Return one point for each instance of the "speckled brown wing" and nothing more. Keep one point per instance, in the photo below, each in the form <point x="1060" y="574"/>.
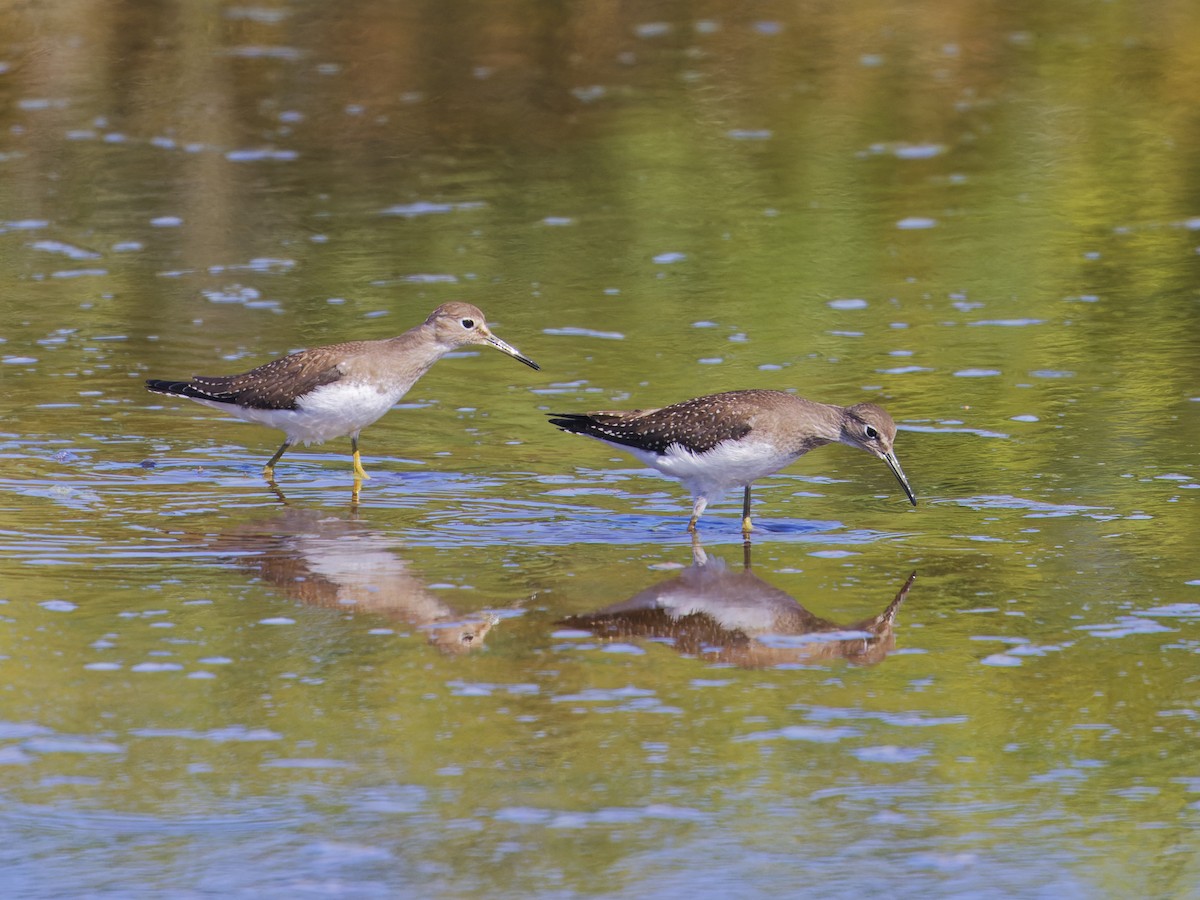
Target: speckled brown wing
<point x="698" y="424"/>
<point x="275" y="385"/>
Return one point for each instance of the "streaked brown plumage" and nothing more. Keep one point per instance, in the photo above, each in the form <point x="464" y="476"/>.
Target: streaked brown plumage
<point x="275" y="385"/>
<point x="718" y="442"/>
<point x="339" y="389"/>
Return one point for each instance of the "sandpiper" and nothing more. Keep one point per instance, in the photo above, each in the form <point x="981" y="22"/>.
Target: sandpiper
<point x="723" y="441"/>
<point x="326" y="392"/>
<point x="722" y="614"/>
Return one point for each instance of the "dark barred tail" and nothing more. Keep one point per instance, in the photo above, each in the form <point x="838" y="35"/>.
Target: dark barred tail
<point x="576" y="423"/>
<point x="605" y="426"/>
<point x="612" y="428"/>
<point x="186" y="389"/>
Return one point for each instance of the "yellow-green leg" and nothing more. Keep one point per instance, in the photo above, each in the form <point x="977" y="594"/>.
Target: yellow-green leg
<point x="746" y="526"/>
<point x="269" y="468"/>
<point x="359" y="471"/>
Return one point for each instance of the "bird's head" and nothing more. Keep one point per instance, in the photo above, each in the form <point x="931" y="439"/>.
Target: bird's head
<point x="456" y="324"/>
<point x="870" y="428"/>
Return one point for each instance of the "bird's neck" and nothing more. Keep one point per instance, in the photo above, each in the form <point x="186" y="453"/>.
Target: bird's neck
<point x="406" y="358"/>
<point x="418" y="346"/>
<point x="822" y="425"/>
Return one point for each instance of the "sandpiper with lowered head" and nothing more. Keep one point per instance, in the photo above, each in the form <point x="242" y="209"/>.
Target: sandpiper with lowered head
<point x="326" y="392"/>
<point x="716" y="443"/>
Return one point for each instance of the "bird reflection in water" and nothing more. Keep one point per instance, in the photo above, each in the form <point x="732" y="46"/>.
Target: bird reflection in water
<point x="337" y="563"/>
<point x="733" y="616"/>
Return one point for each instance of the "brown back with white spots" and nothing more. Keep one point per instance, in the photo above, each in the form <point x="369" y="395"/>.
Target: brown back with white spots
<point x="394" y="361"/>
<point x="701" y="423"/>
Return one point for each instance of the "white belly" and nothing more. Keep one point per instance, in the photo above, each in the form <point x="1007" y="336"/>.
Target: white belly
<point x="728" y="465"/>
<point x="330" y="411"/>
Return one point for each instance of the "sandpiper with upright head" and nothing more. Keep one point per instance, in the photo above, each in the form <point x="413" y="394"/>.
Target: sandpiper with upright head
<point x="326" y="392"/>
<point x="723" y="441"/>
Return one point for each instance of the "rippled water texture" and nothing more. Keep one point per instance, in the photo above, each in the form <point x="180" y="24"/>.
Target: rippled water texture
<point x="506" y="671"/>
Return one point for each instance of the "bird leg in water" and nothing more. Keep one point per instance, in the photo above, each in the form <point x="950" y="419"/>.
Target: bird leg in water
<point x="269" y="468"/>
<point x="359" y="471"/>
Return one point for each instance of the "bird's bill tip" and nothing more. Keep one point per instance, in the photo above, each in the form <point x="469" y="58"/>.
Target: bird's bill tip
<point x="505" y="347"/>
<point x="894" y="465"/>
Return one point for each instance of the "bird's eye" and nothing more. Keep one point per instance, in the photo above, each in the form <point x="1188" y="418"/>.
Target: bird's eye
<point x="468" y="323"/>
<point x="871" y="432"/>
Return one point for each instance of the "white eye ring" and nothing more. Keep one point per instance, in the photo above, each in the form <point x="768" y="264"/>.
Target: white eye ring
<point x="468" y="323"/>
<point x="871" y="432"/>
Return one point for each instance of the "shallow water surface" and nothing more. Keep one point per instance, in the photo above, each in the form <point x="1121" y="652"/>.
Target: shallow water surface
<point x="504" y="669"/>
